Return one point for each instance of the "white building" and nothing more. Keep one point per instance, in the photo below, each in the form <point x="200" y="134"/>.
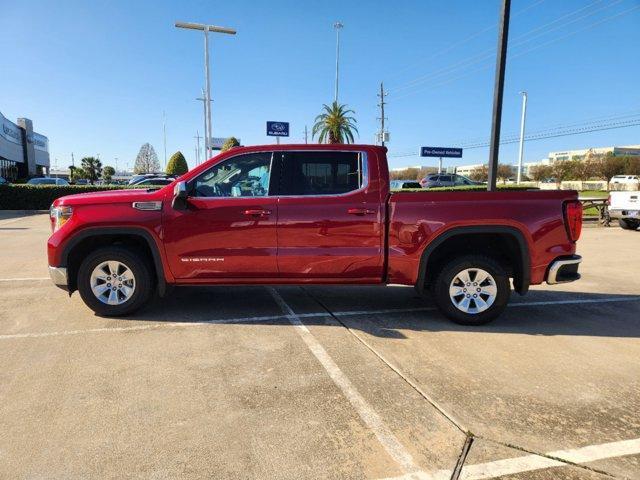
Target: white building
<point x="633" y="150"/>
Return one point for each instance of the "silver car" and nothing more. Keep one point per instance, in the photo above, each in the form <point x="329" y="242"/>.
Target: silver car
<point x="446" y="180"/>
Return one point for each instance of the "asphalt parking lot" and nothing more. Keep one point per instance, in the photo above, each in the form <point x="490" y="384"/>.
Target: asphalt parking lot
<point x="320" y="382"/>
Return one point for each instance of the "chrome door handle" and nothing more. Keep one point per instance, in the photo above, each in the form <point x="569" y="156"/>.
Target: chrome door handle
<point x="360" y="211"/>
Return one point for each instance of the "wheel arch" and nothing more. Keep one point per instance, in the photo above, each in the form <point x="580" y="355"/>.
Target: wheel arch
<point x="517" y="250"/>
<point x="95" y="237"/>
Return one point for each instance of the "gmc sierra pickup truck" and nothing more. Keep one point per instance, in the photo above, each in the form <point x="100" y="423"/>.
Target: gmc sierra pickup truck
<point x="311" y="214"/>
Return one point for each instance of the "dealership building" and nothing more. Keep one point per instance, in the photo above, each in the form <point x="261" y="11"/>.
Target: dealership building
<point x="23" y="152"/>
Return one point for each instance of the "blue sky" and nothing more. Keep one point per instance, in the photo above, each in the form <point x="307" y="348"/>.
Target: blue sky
<point x="95" y="77"/>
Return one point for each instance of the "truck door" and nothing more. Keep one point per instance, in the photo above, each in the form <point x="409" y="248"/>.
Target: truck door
<point x="229" y="228"/>
<point x="330" y="219"/>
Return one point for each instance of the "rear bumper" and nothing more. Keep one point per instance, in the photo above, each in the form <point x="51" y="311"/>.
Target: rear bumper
<point x="564" y="269"/>
<point x="619" y="213"/>
<point x="59" y="277"/>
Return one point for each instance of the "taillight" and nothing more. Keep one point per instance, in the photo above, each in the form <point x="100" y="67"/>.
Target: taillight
<point x="573" y="219"/>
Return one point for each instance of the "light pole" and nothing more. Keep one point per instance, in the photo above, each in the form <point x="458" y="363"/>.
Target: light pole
<point x="207" y="93"/>
<point x="522" y="122"/>
<point x="338" y="26"/>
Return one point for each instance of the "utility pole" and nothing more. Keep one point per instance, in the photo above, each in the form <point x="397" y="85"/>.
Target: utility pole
<point x="382" y="117"/>
<point x="164" y="134"/>
<point x="73" y="163"/>
<point x="197" y="137"/>
<point x="338" y="26"/>
<point x="305" y="134"/>
<point x="522" y="122"/>
<point x="498" y="89"/>
<point x="116" y="168"/>
<point x="207" y="92"/>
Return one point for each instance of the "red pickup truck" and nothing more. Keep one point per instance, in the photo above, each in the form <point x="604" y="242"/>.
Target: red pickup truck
<point x="311" y="214"/>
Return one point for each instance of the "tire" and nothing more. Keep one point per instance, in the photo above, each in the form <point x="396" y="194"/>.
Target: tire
<point x="137" y="281"/>
<point x="494" y="291"/>
<point x="628" y="224"/>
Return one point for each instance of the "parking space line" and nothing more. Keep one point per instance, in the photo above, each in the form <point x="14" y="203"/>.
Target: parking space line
<point x="276" y="317"/>
<point x="24" y="279"/>
<point x="368" y="415"/>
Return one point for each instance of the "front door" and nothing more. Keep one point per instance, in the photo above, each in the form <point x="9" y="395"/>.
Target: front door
<point x="330" y="221"/>
<point x="229" y="228"/>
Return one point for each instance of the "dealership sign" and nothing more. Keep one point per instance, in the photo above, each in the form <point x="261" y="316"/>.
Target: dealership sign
<point x="278" y="129"/>
<point x="443" y="152"/>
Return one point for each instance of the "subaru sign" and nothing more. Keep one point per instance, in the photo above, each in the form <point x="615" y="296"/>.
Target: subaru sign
<point x="445" y="152"/>
<point x="278" y="129"/>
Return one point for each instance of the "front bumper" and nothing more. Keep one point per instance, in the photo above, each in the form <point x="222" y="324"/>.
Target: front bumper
<point x="564" y="269"/>
<point x="59" y="276"/>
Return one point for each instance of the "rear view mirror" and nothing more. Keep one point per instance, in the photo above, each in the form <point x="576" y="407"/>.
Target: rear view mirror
<point x="180" y="196"/>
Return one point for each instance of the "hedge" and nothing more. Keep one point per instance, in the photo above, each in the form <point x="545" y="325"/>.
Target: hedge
<point x="40" y="197"/>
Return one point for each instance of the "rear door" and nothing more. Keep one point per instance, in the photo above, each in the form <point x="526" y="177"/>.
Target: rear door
<point x="329" y="219"/>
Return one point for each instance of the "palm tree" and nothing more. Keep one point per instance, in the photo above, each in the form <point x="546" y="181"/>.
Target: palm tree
<point x="334" y="125"/>
<point x="92" y="168"/>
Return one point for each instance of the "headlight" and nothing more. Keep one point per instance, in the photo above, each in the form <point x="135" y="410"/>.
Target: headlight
<point x="59" y="216"/>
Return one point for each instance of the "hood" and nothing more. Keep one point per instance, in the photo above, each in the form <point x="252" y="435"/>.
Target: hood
<point x="112" y="196"/>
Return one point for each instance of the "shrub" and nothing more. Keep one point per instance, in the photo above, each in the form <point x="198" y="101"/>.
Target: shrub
<point x="40" y="197"/>
<point x="177" y="164"/>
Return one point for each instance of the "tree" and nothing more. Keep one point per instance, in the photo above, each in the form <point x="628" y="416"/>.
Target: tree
<point x="92" y="168"/>
<point x="108" y="173"/>
<point x="177" y="164"/>
<point x="76" y="174"/>
<point x="230" y="143"/>
<point x="561" y="170"/>
<point x="504" y="172"/>
<point x="147" y="160"/>
<point x="608" y="166"/>
<point x="335" y="125"/>
<point x="480" y="174"/>
<point x="540" y="172"/>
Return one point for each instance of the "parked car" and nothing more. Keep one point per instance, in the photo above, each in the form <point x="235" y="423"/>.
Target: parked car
<point x="154" y="181"/>
<point x="312" y="214"/>
<point x="47" y="181"/>
<point x="446" y="180"/>
<point x="625" y="206"/>
<point x="3" y="181"/>
<point x="81" y="181"/>
<point x="400" y="184"/>
<point x="144" y="176"/>
<point x="625" y="179"/>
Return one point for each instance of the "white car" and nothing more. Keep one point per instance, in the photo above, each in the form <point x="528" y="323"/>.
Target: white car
<point x="625" y="206"/>
<point x="625" y="179"/>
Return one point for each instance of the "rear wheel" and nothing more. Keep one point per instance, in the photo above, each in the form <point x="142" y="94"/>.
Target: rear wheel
<point x="628" y="223"/>
<point x="471" y="290"/>
<point x="115" y="281"/>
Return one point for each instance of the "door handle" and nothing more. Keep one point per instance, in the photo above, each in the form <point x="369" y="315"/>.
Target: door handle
<point x="360" y="211"/>
<point x="257" y="212"/>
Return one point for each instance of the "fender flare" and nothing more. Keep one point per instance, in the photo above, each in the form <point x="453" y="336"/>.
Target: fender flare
<point x="134" y="231"/>
<point x="521" y="283"/>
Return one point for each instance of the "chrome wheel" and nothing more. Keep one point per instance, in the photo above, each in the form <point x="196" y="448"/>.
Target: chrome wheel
<point x="112" y="282"/>
<point x="473" y="290"/>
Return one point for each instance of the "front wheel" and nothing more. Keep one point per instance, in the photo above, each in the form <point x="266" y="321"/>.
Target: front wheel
<point x="115" y="281"/>
<point x="628" y="224"/>
<point x="471" y="290"/>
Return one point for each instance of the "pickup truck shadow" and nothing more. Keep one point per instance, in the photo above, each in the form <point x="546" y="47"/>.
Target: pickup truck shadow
<point x="387" y="312"/>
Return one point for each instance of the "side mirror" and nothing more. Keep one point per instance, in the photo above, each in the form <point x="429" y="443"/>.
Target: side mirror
<point x="180" y="196"/>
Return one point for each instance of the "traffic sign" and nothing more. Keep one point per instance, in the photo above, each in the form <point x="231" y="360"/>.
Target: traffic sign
<point x="443" y="152"/>
<point x="278" y="129"/>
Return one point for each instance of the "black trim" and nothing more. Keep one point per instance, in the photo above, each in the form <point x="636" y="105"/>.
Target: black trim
<point x="135" y="231"/>
<point x="521" y="286"/>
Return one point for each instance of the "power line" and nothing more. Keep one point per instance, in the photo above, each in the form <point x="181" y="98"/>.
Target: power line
<point x="519" y="54"/>
<point x="516" y="42"/>
<point x="533" y="137"/>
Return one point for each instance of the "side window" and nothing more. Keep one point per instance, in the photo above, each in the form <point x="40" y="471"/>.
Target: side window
<point x="241" y="176"/>
<point x="321" y="173"/>
<point x="445" y="178"/>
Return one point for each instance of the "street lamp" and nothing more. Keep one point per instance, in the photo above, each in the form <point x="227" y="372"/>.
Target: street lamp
<point x="207" y="102"/>
<point x="338" y="26"/>
<point x="522" y="121"/>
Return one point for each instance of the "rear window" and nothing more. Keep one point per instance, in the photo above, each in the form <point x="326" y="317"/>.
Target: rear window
<point x="321" y="173"/>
